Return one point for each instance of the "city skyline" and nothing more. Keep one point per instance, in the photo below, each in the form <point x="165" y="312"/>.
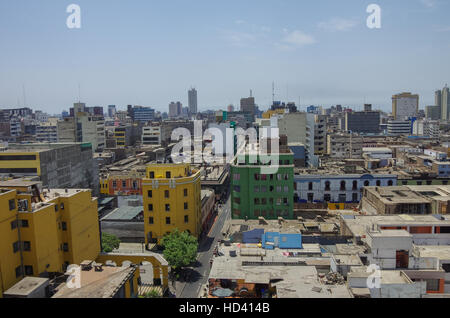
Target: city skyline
<point x="133" y="54"/>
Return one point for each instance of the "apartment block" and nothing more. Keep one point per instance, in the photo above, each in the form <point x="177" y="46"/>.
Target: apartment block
<point x="172" y="200"/>
<point x="44" y="231"/>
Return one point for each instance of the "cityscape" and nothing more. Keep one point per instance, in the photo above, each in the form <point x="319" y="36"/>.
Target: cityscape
<point x="285" y="191"/>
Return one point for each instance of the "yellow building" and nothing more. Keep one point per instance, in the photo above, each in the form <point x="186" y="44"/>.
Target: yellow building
<point x="172" y="200"/>
<point x="268" y="114"/>
<point x="44" y="231"/>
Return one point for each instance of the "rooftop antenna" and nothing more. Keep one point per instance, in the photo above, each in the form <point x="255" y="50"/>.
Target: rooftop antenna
<point x="24" y="96"/>
<point x="79" y="93"/>
<point x="273" y="92"/>
<point x="251" y="93"/>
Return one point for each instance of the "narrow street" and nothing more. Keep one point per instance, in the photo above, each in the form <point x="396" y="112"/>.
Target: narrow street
<point x="200" y="270"/>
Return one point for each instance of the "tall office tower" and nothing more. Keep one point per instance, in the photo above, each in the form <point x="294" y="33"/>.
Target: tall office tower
<point x="248" y="105"/>
<point x="445" y="104"/>
<point x="111" y="111"/>
<point x="367" y="107"/>
<point x="438" y="98"/>
<point x="173" y="110"/>
<point x="230" y="108"/>
<point x="192" y="101"/>
<point x="405" y="105"/>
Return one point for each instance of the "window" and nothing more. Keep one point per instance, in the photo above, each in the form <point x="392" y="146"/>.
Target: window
<point x="124" y="184"/>
<point x="18" y="271"/>
<point x="14" y="225"/>
<point x="256" y="176"/>
<point x="366" y="183"/>
<point x="327" y="186"/>
<point x="15" y="247"/>
<point x="150" y="207"/>
<point x="343" y="186"/>
<point x="186" y="219"/>
<point x="237" y="200"/>
<point x="23" y="223"/>
<point x="278" y="188"/>
<point x="310" y="197"/>
<point x="256" y="201"/>
<point x="236" y="177"/>
<point x="263" y="201"/>
<point x="185" y="205"/>
<point x="62" y="206"/>
<point x="390" y="183"/>
<point x="26" y="246"/>
<point x="310" y="186"/>
<point x="150" y="193"/>
<point x="256" y="189"/>
<point x="56" y="208"/>
<point x="166" y="194"/>
<point x="378" y="183"/>
<point x="167" y="207"/>
<point x="185" y="191"/>
<point x="12" y="204"/>
<point x="114" y="184"/>
<point x="355" y="185"/>
<point x="168" y="175"/>
<point x="167" y="220"/>
<point x="150" y="220"/>
<point x="65" y="247"/>
<point x="64" y="226"/>
<point x="28" y="270"/>
<point x="327" y="197"/>
<point x="263" y="188"/>
<point x="152" y="175"/>
<point x="419" y="182"/>
<point x="355" y="197"/>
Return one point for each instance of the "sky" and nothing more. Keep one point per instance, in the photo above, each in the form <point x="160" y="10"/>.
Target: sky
<point x="149" y="53"/>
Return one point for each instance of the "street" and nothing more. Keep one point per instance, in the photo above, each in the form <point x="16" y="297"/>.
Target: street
<point x="200" y="270"/>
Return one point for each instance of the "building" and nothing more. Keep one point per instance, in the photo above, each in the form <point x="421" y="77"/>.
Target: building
<point x="367" y="122"/>
<point x="112" y="111"/>
<point x="344" y="145"/>
<point x="255" y="194"/>
<point x="172" y="200"/>
<point x="99" y="281"/>
<point x="192" y="96"/>
<point x="320" y="135"/>
<point x="405" y="105"/>
<point x="445" y="104"/>
<point x="337" y="187"/>
<point x="208" y="209"/>
<point x="57" y="165"/>
<point x="151" y="135"/>
<point x="399" y="127"/>
<point x="406" y="200"/>
<point x="47" y="132"/>
<point x="41" y="230"/>
<point x="175" y="109"/>
<point x="121" y="183"/>
<point x="433" y="112"/>
<point x="143" y="114"/>
<point x="248" y="105"/>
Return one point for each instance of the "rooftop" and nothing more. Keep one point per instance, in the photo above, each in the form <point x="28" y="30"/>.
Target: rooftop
<point x="26" y="286"/>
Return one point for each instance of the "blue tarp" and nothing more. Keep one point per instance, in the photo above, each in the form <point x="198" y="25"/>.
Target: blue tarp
<point x="270" y="240"/>
<point x="252" y="237"/>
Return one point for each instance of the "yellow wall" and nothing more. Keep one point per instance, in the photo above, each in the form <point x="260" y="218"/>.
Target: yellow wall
<point x="180" y="180"/>
<point x="46" y="235"/>
<point x="21" y="163"/>
<point x="9" y="260"/>
<point x="159" y="270"/>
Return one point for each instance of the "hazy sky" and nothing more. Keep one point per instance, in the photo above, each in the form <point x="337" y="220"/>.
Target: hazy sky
<point x="145" y="52"/>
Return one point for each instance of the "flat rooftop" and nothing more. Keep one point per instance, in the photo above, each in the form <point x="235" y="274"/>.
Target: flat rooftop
<point x="125" y="213"/>
<point x="26" y="286"/>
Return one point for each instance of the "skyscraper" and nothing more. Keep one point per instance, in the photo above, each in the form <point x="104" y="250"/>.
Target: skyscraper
<point x="192" y="101"/>
<point x="405" y="105"/>
<point x="445" y="104"/>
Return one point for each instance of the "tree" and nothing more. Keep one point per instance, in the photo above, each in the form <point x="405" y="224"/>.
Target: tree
<point x="180" y="249"/>
<point x="109" y="242"/>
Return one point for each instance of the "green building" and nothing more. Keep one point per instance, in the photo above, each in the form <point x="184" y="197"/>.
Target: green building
<point x="255" y="194"/>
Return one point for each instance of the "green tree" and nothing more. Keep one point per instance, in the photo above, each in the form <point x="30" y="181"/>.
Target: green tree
<point x="109" y="242"/>
<point x="180" y="249"/>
